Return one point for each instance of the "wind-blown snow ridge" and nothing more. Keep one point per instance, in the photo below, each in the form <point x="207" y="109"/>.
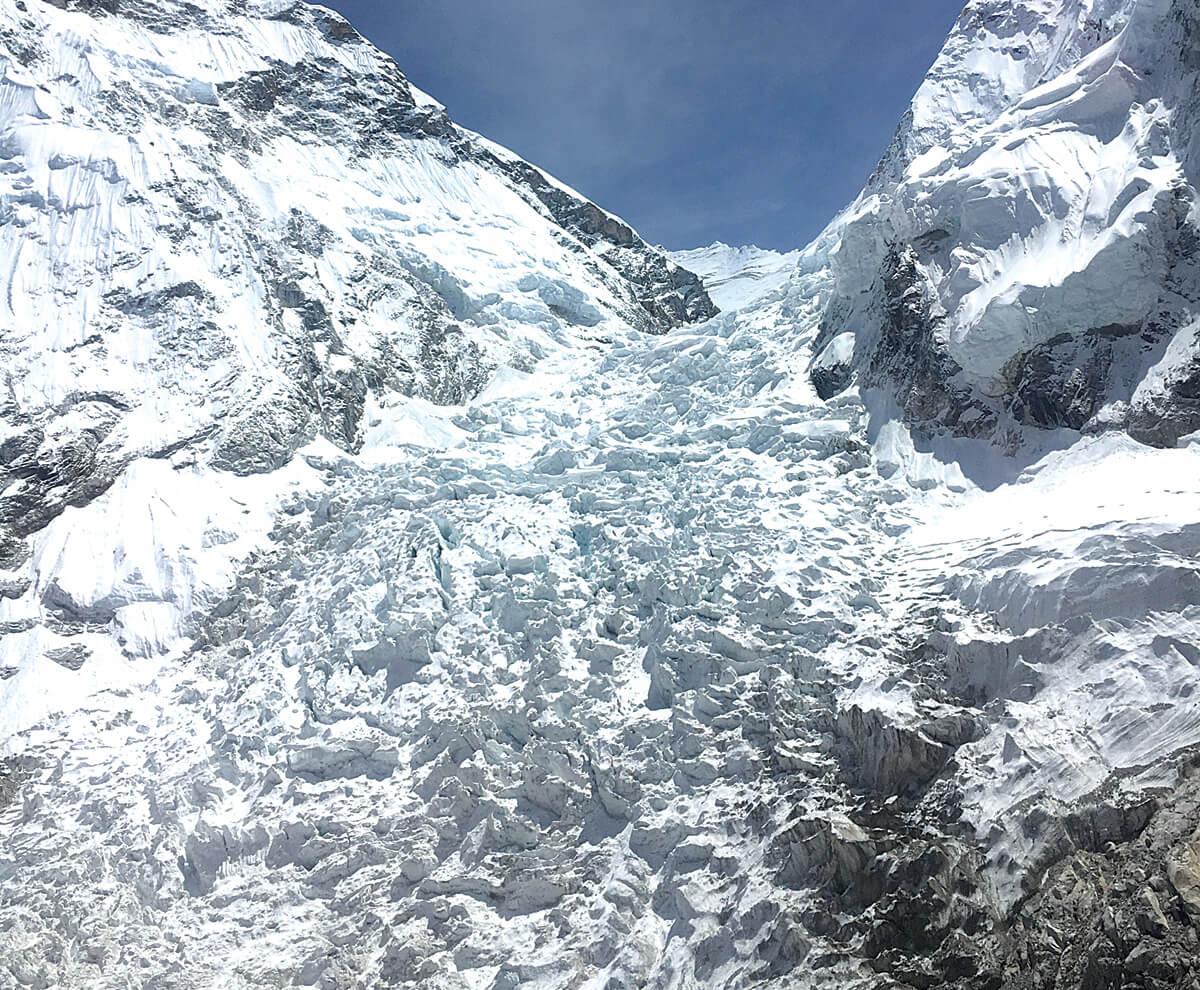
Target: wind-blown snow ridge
<point x="489" y="638"/>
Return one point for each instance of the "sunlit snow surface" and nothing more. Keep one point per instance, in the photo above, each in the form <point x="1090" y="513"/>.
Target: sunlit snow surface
<point x="209" y="262"/>
<point x="531" y="691"/>
<point x="736" y="277"/>
<point x="544" y="676"/>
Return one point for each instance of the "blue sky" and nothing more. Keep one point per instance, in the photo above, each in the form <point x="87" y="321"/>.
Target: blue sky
<point x="695" y="120"/>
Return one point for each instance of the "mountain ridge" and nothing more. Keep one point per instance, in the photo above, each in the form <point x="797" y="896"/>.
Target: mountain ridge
<point x="739" y="276"/>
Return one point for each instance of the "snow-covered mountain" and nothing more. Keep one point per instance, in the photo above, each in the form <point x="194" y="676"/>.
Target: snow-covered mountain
<point x="735" y="277"/>
<point x="412" y="581"/>
<point x="1025" y="253"/>
<point x="232" y="229"/>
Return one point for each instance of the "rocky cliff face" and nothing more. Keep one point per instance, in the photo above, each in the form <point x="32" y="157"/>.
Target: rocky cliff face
<point x="388" y="602"/>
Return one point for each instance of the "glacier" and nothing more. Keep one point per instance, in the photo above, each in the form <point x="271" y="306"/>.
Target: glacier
<point x="411" y="579"/>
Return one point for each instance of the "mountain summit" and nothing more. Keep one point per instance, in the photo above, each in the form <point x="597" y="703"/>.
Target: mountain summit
<point x="410" y="579"/>
<point x="1025" y="252"/>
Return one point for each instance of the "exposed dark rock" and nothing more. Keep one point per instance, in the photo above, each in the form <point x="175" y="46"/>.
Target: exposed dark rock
<point x="835" y="855"/>
<point x="71" y="657"/>
<point x="891" y="759"/>
<point x="1093" y="827"/>
<point x="910" y="357"/>
<point x="831" y="380"/>
<point x="13" y="773"/>
<point x="1064" y="382"/>
<point x="265" y="437"/>
<point x="256" y="91"/>
<point x="1161" y="418"/>
<point x="320" y="99"/>
<point x="1115" y="913"/>
<point x="832" y="369"/>
<point x="42" y="475"/>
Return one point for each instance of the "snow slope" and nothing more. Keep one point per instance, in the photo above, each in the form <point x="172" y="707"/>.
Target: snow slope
<point x="845" y="639"/>
<point x="735" y="277"/>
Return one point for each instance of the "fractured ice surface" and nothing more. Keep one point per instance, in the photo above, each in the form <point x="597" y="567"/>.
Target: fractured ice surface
<point x="389" y="602"/>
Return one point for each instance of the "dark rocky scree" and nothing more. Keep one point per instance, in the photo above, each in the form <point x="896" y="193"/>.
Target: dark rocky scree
<point x="1116" y="905"/>
<point x="1113" y="901"/>
<point x="1121" y="907"/>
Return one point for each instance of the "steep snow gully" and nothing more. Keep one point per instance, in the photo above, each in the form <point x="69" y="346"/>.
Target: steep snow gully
<point x="410" y="579"/>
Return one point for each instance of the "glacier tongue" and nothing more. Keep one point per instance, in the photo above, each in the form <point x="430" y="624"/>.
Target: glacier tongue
<point x="389" y="603"/>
